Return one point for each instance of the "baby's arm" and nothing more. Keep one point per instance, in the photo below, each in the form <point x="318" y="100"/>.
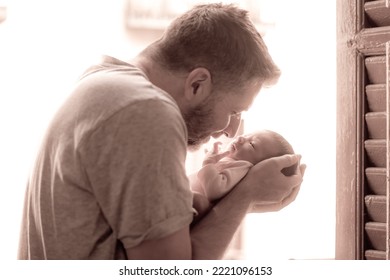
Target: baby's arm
<point x="217" y="182"/>
<point x="215" y="155"/>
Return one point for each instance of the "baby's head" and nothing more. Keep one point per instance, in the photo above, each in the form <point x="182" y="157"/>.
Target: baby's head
<point x="261" y="145"/>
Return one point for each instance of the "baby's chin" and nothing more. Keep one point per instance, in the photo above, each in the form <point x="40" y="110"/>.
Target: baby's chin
<point x="231" y="148"/>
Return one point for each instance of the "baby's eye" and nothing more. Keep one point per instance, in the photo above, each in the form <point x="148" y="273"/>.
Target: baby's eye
<point x="253" y="146"/>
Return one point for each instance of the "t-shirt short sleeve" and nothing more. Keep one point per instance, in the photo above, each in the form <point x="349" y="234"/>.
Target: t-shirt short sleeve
<point x="138" y="174"/>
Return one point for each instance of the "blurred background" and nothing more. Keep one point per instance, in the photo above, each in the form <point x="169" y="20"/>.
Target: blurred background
<point x="46" y="44"/>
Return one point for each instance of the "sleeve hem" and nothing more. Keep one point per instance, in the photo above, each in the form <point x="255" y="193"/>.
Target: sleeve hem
<point x="159" y="230"/>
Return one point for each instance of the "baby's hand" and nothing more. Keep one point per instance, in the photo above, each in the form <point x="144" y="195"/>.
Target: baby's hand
<point x="215" y="155"/>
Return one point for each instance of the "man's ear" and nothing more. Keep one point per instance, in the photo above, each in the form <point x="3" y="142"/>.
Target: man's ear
<point x="198" y="85"/>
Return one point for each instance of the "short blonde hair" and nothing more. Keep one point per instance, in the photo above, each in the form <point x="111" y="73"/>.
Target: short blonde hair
<point x="220" y="38"/>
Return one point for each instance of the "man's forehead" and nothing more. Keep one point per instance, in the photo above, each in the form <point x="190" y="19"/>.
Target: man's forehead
<point x="243" y="102"/>
<point x="245" y="98"/>
<point x="249" y="97"/>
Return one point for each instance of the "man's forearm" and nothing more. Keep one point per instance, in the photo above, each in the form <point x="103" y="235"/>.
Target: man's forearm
<point x="264" y="185"/>
<point x="211" y="235"/>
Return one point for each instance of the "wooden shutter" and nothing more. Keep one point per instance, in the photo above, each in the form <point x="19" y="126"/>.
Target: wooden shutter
<point x="362" y="229"/>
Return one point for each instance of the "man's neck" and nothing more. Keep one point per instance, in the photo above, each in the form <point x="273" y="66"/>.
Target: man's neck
<point x="161" y="77"/>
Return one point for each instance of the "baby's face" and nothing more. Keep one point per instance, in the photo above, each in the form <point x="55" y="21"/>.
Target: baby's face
<point x="254" y="148"/>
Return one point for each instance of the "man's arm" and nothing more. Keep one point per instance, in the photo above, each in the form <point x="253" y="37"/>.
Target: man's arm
<point x="265" y="185"/>
<point x="176" y="246"/>
<point x="209" y="238"/>
<point x="216" y="183"/>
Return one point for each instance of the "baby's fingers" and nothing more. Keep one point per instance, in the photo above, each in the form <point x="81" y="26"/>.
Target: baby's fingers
<point x="214" y="150"/>
<point x="216" y="146"/>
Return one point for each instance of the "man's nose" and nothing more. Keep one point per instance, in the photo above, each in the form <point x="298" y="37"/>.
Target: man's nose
<point x="231" y="130"/>
<point x="240" y="139"/>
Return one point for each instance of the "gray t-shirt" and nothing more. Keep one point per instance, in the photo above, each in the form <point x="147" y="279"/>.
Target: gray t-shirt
<point x="111" y="170"/>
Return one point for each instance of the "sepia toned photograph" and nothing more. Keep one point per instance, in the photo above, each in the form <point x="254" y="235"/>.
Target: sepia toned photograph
<point x="195" y="130"/>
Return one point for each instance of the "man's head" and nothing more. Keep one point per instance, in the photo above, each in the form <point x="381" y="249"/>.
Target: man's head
<point x="223" y="40"/>
<point x="217" y="115"/>
<point x="218" y="62"/>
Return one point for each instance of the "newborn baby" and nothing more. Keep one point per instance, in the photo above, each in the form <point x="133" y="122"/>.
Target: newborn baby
<point x="221" y="171"/>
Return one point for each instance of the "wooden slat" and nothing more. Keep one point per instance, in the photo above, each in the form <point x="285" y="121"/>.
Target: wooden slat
<point x="376" y="234"/>
<point x="376" y="152"/>
<point x="376" y="69"/>
<point x="376" y="208"/>
<point x="372" y="41"/>
<point x="375" y="255"/>
<point x="376" y="125"/>
<point x="376" y="180"/>
<point x="376" y="97"/>
<point x="377" y="12"/>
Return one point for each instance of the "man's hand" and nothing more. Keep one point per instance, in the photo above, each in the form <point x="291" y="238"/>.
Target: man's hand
<point x="270" y="189"/>
<point x="264" y="186"/>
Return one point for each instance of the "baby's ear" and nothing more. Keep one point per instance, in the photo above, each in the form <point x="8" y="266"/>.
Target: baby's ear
<point x="291" y="170"/>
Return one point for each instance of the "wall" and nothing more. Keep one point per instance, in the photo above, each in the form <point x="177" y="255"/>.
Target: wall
<point x="302" y="107"/>
<point x="44" y="46"/>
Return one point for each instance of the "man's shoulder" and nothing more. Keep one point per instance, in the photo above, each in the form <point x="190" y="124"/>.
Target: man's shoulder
<point x="111" y="92"/>
<point x="121" y="83"/>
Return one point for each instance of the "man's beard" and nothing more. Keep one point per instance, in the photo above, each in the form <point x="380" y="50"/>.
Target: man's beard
<point x="199" y="122"/>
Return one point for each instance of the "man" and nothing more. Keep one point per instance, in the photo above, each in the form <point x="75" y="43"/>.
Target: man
<point x="110" y="182"/>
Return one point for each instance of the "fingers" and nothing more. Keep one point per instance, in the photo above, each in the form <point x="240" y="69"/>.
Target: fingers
<point x="291" y="197"/>
<point x="302" y="168"/>
<point x="274" y="207"/>
<point x="215" y="148"/>
<point x="286" y="188"/>
<point x="287" y="160"/>
<point x="220" y="156"/>
<point x="294" y="192"/>
<point x="214" y="156"/>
